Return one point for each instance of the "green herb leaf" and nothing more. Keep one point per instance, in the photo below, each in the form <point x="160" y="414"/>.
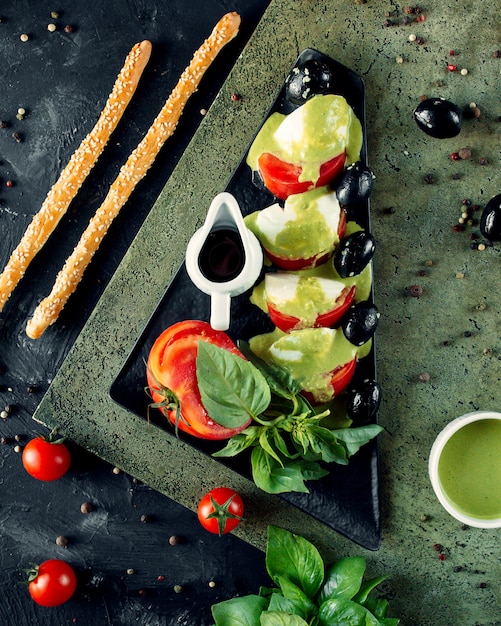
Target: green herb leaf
<point x="365" y="589"/>
<point x="245" y="611"/>
<point x="342" y="611"/>
<point x="275" y="618"/>
<point x="279" y="379"/>
<point x="343" y="579"/>
<point x="355" y="438"/>
<point x="289" y="475"/>
<point x="304" y="607"/>
<point x="240" y="442"/>
<point x="232" y="389"/>
<point x="293" y="557"/>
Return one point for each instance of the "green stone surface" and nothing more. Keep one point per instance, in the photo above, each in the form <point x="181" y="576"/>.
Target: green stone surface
<point x="451" y="331"/>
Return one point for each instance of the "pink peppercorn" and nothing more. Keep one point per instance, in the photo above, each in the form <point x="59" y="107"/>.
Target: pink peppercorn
<point x="451" y="67"/>
<point x="455" y="156"/>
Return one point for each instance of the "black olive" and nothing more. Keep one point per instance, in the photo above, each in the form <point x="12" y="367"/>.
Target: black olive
<point x="310" y="78"/>
<point x="438" y="118"/>
<point x="364" y="399"/>
<point x="355" y="185"/>
<point x="490" y="222"/>
<point x="354" y="253"/>
<point x="360" y="322"/>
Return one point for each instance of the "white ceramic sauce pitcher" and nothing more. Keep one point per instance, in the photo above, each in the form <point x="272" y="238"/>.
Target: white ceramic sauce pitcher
<point x="223" y="258"/>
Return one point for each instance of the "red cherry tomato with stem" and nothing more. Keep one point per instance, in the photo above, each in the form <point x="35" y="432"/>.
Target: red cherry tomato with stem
<point x="46" y="458"/>
<point x="52" y="583"/>
<point x="220" y="510"/>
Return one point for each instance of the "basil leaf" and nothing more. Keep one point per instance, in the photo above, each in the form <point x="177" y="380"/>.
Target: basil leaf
<point x="244" y="611"/>
<point x="342" y="611"/>
<point x="275" y="618"/>
<point x="293" y="557"/>
<point x="232" y="389"/>
<point x="289" y="475"/>
<point x="355" y="438"/>
<point x="343" y="579"/>
<point x="304" y="607"/>
<point x="279" y="379"/>
<point x="239" y="442"/>
<point x="325" y="443"/>
<point x="365" y="589"/>
<point x="284" y="605"/>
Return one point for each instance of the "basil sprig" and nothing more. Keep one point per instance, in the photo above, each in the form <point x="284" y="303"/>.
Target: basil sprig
<point x="306" y="592"/>
<point x="286" y="435"/>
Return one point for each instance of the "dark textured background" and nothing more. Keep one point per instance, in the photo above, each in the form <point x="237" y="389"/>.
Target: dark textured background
<point x="62" y="80"/>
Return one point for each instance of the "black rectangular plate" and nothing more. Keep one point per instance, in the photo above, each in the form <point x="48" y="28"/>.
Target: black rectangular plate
<point x="346" y="500"/>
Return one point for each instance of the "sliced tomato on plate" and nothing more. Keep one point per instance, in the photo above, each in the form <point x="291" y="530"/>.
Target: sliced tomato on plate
<point x="282" y="178"/>
<point x="340" y="378"/>
<point x="329" y="319"/>
<point x="172" y="377"/>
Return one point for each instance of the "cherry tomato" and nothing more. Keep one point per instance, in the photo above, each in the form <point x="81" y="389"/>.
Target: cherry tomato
<point x="282" y="178"/>
<point x="220" y="510"/>
<point x="52" y="583"/>
<point x="172" y="378"/>
<point x="46" y="459"/>
<point x="293" y="265"/>
<point x="329" y="319"/>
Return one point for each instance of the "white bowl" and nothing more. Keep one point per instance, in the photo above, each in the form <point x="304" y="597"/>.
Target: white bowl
<point x="436" y="451"/>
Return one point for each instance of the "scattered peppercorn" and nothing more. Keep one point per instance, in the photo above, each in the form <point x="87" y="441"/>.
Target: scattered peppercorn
<point x="4" y="124"/>
<point x="51" y="28"/>
<point x="455" y="156"/>
<point x="177" y="589"/>
<point x="429" y="179"/>
<point x="390" y="210"/>
<point x="18" y="448"/>
<point x="174" y="540"/>
<point x="86" y="508"/>
<point x="420" y="41"/>
<point x="441" y="556"/>
<point x="387" y="23"/>
<point x="212" y="584"/>
<point x="18" y="137"/>
<point x="416" y="291"/>
<point x="235" y="97"/>
<point x="161" y="578"/>
<point x="487" y="351"/>
<point x="483" y="585"/>
<point x="412" y="37"/>
<point x="116" y="470"/>
<point x="4" y="440"/>
<point x="54" y="15"/>
<point x="451" y="67"/>
<point x="438" y="547"/>
<point x="497" y="54"/>
<point x="9" y="183"/>
<point x="130" y="571"/>
<point x="483" y="161"/>
<point x="424" y="377"/>
<point x="24" y="37"/>
<point x="68" y="28"/>
<point x="62" y="541"/>
<point x="464" y="153"/>
<point x="458" y="568"/>
<point x="145" y="519"/>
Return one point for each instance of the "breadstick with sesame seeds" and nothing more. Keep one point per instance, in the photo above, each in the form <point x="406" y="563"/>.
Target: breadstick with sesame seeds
<point x="75" y="172"/>
<point x="130" y="174"/>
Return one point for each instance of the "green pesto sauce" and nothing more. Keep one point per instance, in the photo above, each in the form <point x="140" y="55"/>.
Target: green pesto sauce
<point x="329" y="126"/>
<point x="307" y="233"/>
<point x="309" y="301"/>
<point x="469" y="469"/>
<point x="314" y="353"/>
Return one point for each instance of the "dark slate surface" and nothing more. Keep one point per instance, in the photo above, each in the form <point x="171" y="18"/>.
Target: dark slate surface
<point x="62" y="79"/>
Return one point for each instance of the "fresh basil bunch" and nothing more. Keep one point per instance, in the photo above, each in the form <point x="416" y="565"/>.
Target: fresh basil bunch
<point x="288" y="437"/>
<point x="307" y="593"/>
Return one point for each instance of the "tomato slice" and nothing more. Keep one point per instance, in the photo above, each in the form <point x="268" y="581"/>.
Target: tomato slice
<point x="282" y="178"/>
<point x="329" y="319"/>
<point x="171" y="374"/>
<point x="340" y="379"/>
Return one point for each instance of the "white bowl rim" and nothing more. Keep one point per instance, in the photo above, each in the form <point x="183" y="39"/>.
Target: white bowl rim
<point x="436" y="450"/>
